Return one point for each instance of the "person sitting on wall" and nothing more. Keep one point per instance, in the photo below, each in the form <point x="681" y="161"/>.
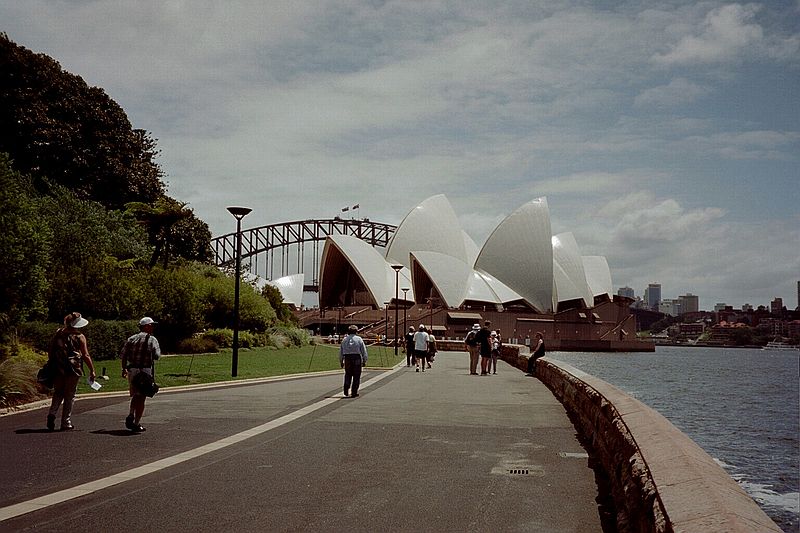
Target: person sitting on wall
<point x="538" y="353"/>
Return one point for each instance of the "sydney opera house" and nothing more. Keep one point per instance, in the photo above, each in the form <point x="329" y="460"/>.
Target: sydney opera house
<point x="523" y="279"/>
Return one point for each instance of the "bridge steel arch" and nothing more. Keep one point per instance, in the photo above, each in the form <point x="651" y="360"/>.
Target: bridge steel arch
<point x="286" y="242"/>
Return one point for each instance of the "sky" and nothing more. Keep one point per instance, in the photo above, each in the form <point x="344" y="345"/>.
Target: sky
<point x="664" y="134"/>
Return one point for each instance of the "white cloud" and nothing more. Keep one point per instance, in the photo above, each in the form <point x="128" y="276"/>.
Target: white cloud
<point x="677" y="92"/>
<point x="298" y="108"/>
<point x="726" y="32"/>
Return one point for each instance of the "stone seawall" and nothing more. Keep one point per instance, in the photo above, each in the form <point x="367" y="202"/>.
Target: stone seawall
<point x="660" y="480"/>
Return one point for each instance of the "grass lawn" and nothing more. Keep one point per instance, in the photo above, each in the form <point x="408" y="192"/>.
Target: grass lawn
<point x="179" y="370"/>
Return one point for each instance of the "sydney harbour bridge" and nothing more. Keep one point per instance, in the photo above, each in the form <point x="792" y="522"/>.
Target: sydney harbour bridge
<point x="285" y="248"/>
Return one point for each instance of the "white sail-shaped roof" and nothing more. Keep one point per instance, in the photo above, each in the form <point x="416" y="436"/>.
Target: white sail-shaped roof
<point x="291" y="288"/>
<point x="519" y="253"/>
<point x="568" y="273"/>
<point x="471" y="249"/>
<point x="598" y="275"/>
<point x="371" y="267"/>
<point x="432" y="226"/>
<point x="449" y="275"/>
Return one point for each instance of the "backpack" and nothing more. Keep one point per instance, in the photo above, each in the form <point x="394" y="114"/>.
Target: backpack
<point x="471" y="338"/>
<point x="65" y="355"/>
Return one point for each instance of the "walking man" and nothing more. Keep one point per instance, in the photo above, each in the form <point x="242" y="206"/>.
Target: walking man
<point x="138" y="355"/>
<point x="421" y="346"/>
<point x="352" y="357"/>
<point x="410" y="346"/>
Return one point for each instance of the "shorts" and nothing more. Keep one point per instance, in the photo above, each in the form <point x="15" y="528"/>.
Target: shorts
<point x="132" y="374"/>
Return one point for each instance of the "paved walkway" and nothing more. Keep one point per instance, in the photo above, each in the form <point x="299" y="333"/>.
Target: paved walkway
<point x="433" y="451"/>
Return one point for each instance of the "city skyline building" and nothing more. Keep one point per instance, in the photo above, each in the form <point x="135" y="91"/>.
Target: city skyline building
<point x="689" y="303"/>
<point x="652" y="295"/>
<point x="628" y="292"/>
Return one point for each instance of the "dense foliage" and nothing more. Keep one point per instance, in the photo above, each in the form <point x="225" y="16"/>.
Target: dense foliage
<point x="55" y="125"/>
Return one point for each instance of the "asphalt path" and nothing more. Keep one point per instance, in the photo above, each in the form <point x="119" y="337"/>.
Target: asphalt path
<point x="433" y="451"/>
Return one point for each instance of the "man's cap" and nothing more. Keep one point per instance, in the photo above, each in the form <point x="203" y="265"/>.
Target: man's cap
<point x="352" y="328"/>
<point x="494" y="334"/>
<point x="411" y="328"/>
<point x="146" y="321"/>
<point x="476" y="326"/>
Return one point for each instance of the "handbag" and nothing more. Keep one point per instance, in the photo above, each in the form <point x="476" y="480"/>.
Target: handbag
<point x="145" y="383"/>
<point x="45" y="375"/>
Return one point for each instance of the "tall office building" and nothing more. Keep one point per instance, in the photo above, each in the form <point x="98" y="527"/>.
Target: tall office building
<point x="776" y="306"/>
<point x="798" y="296"/>
<point x="690" y="303"/>
<point x="628" y="291"/>
<point x="652" y="295"/>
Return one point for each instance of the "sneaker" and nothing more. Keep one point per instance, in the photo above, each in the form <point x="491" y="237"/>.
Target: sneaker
<point x="355" y="395"/>
<point x="67" y="426"/>
<point x="138" y="428"/>
<point x="129" y="422"/>
<point x="346" y="395"/>
<point x="417" y="369"/>
<point x="51" y="422"/>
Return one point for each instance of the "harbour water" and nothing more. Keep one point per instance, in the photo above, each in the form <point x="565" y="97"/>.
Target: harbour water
<point x="742" y="406"/>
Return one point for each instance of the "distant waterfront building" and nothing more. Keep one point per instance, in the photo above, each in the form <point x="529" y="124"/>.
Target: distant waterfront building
<point x="670" y="307"/>
<point x="628" y="292"/>
<point x="747" y="308"/>
<point x="720" y="307"/>
<point x="690" y="303"/>
<point x="652" y="295"/>
<point x="776" y="306"/>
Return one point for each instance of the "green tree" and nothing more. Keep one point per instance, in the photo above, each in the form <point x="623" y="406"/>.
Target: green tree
<point x="94" y="257"/>
<point x="24" y="248"/>
<point x="54" y="125"/>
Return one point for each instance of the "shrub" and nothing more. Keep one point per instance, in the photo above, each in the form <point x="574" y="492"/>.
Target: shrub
<point x="103" y="337"/>
<point x="197" y="345"/>
<point x="18" y="377"/>
<point x="293" y="336"/>
<point x="223" y="338"/>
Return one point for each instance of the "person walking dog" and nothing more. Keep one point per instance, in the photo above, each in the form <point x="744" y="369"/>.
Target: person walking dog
<point x="353" y="357"/>
<point x="138" y="355"/>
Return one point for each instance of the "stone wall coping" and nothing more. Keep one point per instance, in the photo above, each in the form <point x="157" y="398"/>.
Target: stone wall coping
<point x="695" y="492"/>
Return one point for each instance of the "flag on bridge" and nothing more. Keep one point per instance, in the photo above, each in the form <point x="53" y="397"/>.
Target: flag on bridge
<point x="345" y="209"/>
<point x="355" y="206"/>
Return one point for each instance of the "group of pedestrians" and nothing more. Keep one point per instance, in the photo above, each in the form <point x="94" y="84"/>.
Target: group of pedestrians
<point x="420" y="348"/>
<point x="483" y="345"/>
<point x="67" y="354"/>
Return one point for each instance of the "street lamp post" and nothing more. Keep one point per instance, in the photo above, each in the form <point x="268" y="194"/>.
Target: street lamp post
<point x="238" y="213"/>
<point x="385" y="321"/>
<point x="405" y="307"/>
<point x="397" y="269"/>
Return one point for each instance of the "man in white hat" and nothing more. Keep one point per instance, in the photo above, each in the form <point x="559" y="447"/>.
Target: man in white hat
<point x="471" y="342"/>
<point x="138" y="355"/>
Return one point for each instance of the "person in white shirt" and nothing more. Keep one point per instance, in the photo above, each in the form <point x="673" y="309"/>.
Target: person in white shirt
<point x="421" y="346"/>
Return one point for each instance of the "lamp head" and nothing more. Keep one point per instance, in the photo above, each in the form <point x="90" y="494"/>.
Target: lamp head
<point x="239" y="212"/>
<point x="397" y="268"/>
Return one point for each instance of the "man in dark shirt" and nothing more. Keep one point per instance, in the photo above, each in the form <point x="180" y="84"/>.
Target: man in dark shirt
<point x="485" y="345"/>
